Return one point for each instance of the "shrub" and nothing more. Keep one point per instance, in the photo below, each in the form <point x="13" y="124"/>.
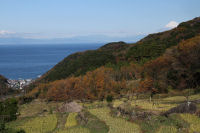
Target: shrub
<point x="2" y="126"/>
<point x="21" y="131"/>
<point x="109" y="98"/>
<point x="25" y="99"/>
<point x="8" y="109"/>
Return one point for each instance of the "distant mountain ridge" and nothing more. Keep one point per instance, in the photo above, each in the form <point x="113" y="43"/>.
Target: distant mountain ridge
<point x="77" y="39"/>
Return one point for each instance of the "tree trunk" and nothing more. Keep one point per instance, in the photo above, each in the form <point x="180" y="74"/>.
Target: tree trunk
<point x="150" y="99"/>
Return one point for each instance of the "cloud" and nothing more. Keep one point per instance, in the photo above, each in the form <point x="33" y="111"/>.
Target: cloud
<point x="4" y="32"/>
<point x="171" y="24"/>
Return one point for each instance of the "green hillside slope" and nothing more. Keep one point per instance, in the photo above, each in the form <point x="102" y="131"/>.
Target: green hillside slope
<point x="155" y="45"/>
<point x="81" y="62"/>
<point x="151" y="47"/>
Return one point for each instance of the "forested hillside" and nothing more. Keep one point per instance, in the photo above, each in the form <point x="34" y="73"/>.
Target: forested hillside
<point x="155" y="45"/>
<point x="151" y="47"/>
<point x="156" y="64"/>
<point x="81" y="62"/>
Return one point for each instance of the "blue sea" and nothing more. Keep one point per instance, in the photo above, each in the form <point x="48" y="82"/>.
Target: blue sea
<point x="31" y="61"/>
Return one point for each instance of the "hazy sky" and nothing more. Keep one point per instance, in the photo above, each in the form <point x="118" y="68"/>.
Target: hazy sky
<point x="65" y="18"/>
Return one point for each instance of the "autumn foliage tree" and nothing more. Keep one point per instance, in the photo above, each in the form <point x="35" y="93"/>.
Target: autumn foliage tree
<point x="97" y="84"/>
<point x="157" y="70"/>
<point x="190" y="58"/>
<point x="178" y="67"/>
<point x="147" y="86"/>
<point x="63" y="90"/>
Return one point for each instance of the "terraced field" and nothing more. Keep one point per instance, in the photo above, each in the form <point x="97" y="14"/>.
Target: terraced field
<point x="71" y="120"/>
<point x="162" y="104"/>
<point x="194" y="122"/>
<point x="75" y="130"/>
<point x="158" y="106"/>
<point x="181" y="98"/>
<point x="36" y="125"/>
<point x="116" y="125"/>
<point x="167" y="129"/>
<point x="41" y="117"/>
<point x="34" y="108"/>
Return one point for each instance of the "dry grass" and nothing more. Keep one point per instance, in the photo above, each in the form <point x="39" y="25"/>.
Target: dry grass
<point x="195" y="97"/>
<point x="167" y="129"/>
<point x="116" y="103"/>
<point x="158" y="106"/>
<point x="181" y="98"/>
<point x="33" y="108"/>
<point x="36" y="125"/>
<point x="175" y="98"/>
<point x="161" y="104"/>
<point x="116" y="125"/>
<point x="75" y="130"/>
<point x="193" y="120"/>
<point x="71" y="120"/>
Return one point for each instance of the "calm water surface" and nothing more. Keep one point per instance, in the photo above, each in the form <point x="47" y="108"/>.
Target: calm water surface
<point x="30" y="61"/>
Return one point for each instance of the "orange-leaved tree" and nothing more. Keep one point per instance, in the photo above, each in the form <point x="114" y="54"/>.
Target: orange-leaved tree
<point x="147" y="86"/>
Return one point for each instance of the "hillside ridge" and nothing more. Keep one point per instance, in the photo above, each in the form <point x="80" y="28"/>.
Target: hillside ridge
<point x="118" y="64"/>
<point x="151" y="47"/>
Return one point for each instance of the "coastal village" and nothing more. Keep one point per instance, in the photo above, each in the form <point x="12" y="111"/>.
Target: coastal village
<point x="19" y="84"/>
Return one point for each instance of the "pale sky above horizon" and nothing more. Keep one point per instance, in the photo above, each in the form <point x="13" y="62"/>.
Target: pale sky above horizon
<point x="66" y="18"/>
